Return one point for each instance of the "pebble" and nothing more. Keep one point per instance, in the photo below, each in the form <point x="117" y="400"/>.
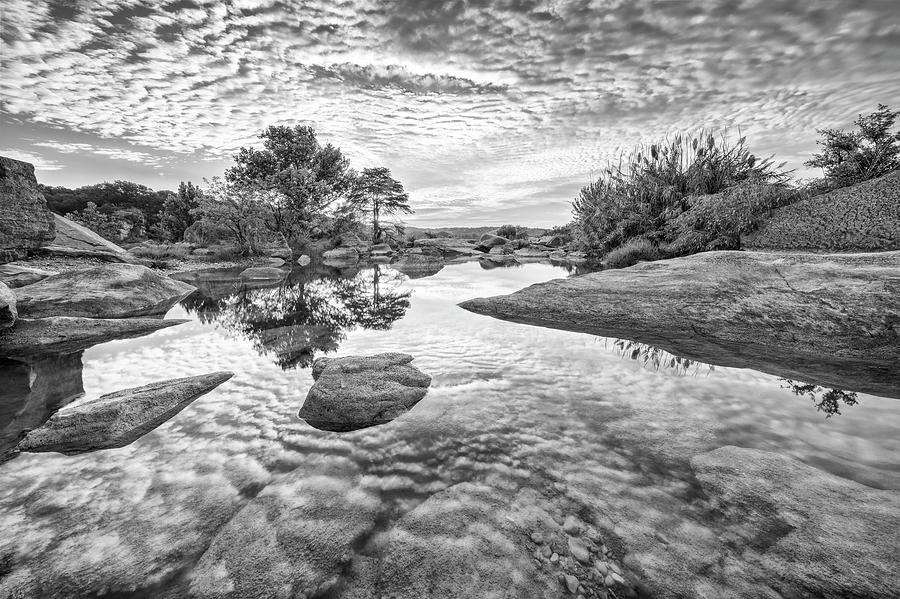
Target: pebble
<point x="601" y="567"/>
<point x="608" y="581"/>
<point x="572" y="526"/>
<point x="578" y="550"/>
<point x="615" y="568"/>
<point x="537" y="537"/>
<point x="546" y="551"/>
<point x="617" y="578"/>
<point x="554" y="558"/>
<point x="662" y="538"/>
<point x="571" y="583"/>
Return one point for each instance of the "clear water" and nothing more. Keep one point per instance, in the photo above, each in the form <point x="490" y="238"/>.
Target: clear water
<point x="510" y="405"/>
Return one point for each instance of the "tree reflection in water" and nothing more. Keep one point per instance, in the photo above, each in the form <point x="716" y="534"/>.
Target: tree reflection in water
<point x="310" y="312"/>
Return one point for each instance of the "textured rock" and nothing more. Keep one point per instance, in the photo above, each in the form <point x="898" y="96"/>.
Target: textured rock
<point x="418" y="265"/>
<point x="106" y="291"/>
<point x="118" y="419"/>
<point x="291" y="540"/>
<point x="553" y="241"/>
<point x="381" y="249"/>
<point x="8" y="313"/>
<point x="263" y="273"/>
<point x="449" y="247"/>
<point x="532" y="252"/>
<point x="25" y="221"/>
<point x="813" y="533"/>
<point x="14" y="275"/>
<point x="862" y="217"/>
<point x="489" y="241"/>
<point x="212" y="283"/>
<point x="825" y="319"/>
<point x="359" y="391"/>
<point x="73" y="239"/>
<point x="341" y="254"/>
<point x="64" y="335"/>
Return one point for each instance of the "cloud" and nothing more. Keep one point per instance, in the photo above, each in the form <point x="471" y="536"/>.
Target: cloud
<point x="114" y="153"/>
<point x="477" y="95"/>
<point x="40" y="163"/>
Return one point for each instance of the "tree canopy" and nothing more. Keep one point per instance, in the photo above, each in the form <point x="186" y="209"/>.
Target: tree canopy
<point x="375" y="190"/>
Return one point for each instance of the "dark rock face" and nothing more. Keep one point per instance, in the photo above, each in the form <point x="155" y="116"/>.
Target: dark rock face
<point x="15" y="276"/>
<point x="813" y="533"/>
<point x="291" y="540"/>
<point x="107" y="291"/>
<point x="33" y="339"/>
<point x="489" y="241"/>
<point x="825" y="319"/>
<point x="862" y="217"/>
<point x="25" y="221"/>
<point x="360" y="391"/>
<point x="117" y="419"/>
<point x="8" y="313"/>
<point x="73" y="239"/>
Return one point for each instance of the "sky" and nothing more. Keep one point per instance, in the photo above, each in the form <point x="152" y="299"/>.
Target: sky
<point x="487" y="111"/>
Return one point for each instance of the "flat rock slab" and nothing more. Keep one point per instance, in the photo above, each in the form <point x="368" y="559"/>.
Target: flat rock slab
<point x="13" y="275"/>
<point x="78" y="238"/>
<point x="813" y="533"/>
<point x="831" y="320"/>
<point x="360" y="391"/>
<point x="117" y="419"/>
<point x="106" y="291"/>
<point x="65" y="335"/>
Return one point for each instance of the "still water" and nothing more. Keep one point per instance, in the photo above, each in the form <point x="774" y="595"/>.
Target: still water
<point x="513" y="408"/>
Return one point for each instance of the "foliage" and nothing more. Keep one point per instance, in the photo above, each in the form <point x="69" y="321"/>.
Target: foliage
<point x="825" y="400"/>
<point x="564" y="232"/>
<point x="855" y="156"/>
<point x="295" y="175"/>
<point x="176" y="214"/>
<point x="376" y="191"/>
<point x="651" y="184"/>
<point x="654" y="357"/>
<point x="631" y="252"/>
<point x="109" y="198"/>
<point x="161" y="250"/>
<point x="512" y="232"/>
<point x="119" y="225"/>
<point x="236" y="209"/>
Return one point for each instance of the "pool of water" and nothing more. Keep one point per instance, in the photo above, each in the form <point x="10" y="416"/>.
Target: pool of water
<point x="511" y="407"/>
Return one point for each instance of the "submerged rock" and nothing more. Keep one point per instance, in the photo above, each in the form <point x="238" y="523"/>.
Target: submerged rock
<point x="342" y="255"/>
<point x="815" y="534"/>
<point x="106" y="291"/>
<point x="418" y="265"/>
<point x="14" y="275"/>
<point x="25" y="221"/>
<point x="8" y="313"/>
<point x="360" y="391"/>
<point x="65" y="335"/>
<point x="825" y="319"/>
<point x="263" y="274"/>
<point x="117" y="419"/>
<point x="73" y="239"/>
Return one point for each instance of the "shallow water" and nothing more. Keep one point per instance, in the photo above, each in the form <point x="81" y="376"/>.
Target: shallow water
<point x="511" y="406"/>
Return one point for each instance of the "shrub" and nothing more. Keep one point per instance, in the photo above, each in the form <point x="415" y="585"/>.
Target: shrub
<point x="631" y="252"/>
<point x="512" y="232"/>
<point x="850" y="158"/>
<point x="651" y="184"/>
<point x="159" y="251"/>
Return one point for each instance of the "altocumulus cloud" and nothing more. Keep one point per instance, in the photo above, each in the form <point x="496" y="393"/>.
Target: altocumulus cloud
<point x="503" y="104"/>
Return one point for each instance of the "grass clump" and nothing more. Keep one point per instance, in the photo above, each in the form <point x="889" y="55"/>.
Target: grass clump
<point x="631" y="252"/>
<point x="162" y="251"/>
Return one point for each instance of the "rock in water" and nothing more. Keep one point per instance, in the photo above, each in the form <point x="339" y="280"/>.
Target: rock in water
<point x="263" y="274"/>
<point x="73" y="239"/>
<point x="360" y="391"/>
<point x="107" y="291"/>
<point x="417" y="265"/>
<point x="815" y="534"/>
<point x="18" y="276"/>
<point x="25" y="221"/>
<point x="8" y="313"/>
<point x="341" y="254"/>
<point x="825" y="319"/>
<point x="448" y="247"/>
<point x="65" y="335"/>
<point x="489" y="241"/>
<point x="117" y="419"/>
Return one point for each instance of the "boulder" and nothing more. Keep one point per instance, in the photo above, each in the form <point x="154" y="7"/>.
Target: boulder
<point x="15" y="276"/>
<point x="417" y="265"/>
<point x="532" y="252"/>
<point x="212" y="283"/>
<point x="117" y="419"/>
<point x="25" y="221"/>
<point x="862" y="217"/>
<point x="106" y="291"/>
<point x="64" y="335"/>
<point x="553" y="241"/>
<point x="341" y="254"/>
<point x="824" y="319"/>
<point x="448" y="247"/>
<point x="489" y="262"/>
<point x="381" y="249"/>
<point x="8" y="313"/>
<point x="500" y="250"/>
<point x="813" y="534"/>
<point x="360" y="391"/>
<point x="489" y="241"/>
<point x="304" y="260"/>
<point x="293" y="539"/>
<point x="73" y="239"/>
<point x="263" y="273"/>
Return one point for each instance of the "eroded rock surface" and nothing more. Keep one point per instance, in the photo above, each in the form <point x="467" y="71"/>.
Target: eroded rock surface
<point x="14" y="275"/>
<point x="418" y="265"/>
<point x="117" y="419"/>
<point x="832" y="320"/>
<point x="73" y="239"/>
<point x="31" y="338"/>
<point x="107" y="291"/>
<point x="360" y="391"/>
<point x="815" y="534"/>
<point x="8" y="313"/>
<point x="25" y="221"/>
<point x="448" y="247"/>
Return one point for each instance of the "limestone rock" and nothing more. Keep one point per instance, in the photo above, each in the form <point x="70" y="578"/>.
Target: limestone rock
<point x="25" y="221"/>
<point x="418" y="265"/>
<point x="263" y="273"/>
<point x="489" y="241"/>
<point x="826" y="319"/>
<point x="341" y="254"/>
<point x="31" y="338"/>
<point x="449" y="247"/>
<point x="815" y="534"/>
<point x="117" y="419"/>
<point x="360" y="391"/>
<point x="532" y="252"/>
<point x="14" y="275"/>
<point x="106" y="291"/>
<point x="73" y="239"/>
<point x="8" y="313"/>
<point x="381" y="249"/>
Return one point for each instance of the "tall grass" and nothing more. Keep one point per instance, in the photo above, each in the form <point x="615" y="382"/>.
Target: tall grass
<point x="650" y="184"/>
